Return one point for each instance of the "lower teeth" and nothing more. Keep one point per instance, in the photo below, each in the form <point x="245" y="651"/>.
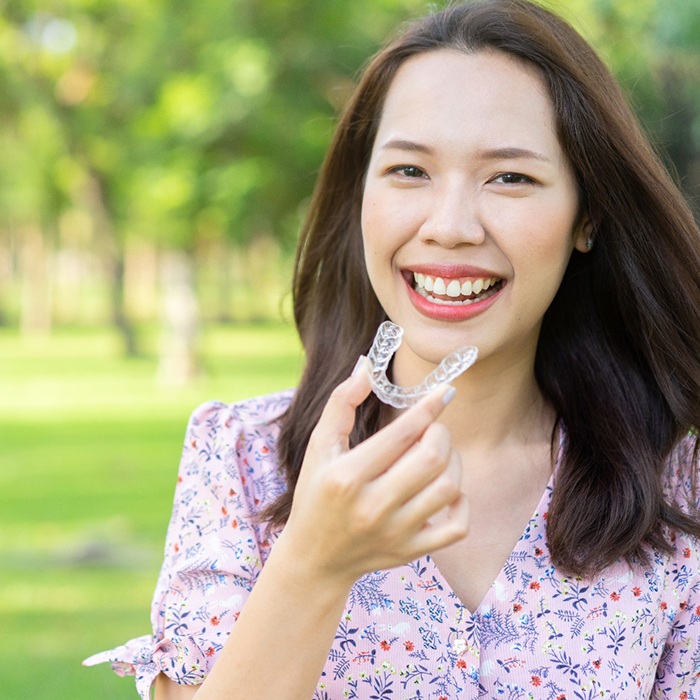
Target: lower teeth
<point x="465" y="302"/>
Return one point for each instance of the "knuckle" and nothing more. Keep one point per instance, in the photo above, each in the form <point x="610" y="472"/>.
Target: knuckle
<point x="446" y="488"/>
<point x="434" y="454"/>
<point x="337" y="400"/>
<point x="402" y="437"/>
<point x="339" y="485"/>
<point x="338" y="393"/>
<point x="431" y="455"/>
<point x="365" y="518"/>
<point x="405" y="434"/>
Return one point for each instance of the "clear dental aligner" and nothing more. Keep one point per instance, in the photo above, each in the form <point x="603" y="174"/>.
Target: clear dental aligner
<point x="385" y="344"/>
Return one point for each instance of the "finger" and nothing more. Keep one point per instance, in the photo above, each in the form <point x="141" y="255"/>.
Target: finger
<point x="454" y="468"/>
<point x="338" y="417"/>
<point x="422" y="464"/>
<point x="454" y="528"/>
<point x="454" y="474"/>
<point x="385" y="447"/>
<point x="429" y="505"/>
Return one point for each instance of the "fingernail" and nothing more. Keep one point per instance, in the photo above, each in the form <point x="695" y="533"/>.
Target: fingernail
<point x="359" y="365"/>
<point x="449" y="394"/>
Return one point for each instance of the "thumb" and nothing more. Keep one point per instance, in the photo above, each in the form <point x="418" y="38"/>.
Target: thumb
<point x="338" y="418"/>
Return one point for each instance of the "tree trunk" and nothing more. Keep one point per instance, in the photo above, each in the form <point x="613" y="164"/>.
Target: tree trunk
<point x="119" y="318"/>
<point x="35" y="295"/>
<point x="263" y="270"/>
<point x="141" y="283"/>
<point x="178" y="362"/>
<point x="112" y="254"/>
<point x="7" y="278"/>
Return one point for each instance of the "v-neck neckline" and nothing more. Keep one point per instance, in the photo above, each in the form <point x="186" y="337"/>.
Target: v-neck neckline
<point x="519" y="545"/>
<point x="540" y="508"/>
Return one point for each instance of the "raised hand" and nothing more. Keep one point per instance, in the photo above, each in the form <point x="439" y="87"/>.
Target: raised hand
<point x="376" y="506"/>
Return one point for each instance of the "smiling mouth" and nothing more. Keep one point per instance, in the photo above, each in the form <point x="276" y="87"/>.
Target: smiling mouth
<point x="455" y="292"/>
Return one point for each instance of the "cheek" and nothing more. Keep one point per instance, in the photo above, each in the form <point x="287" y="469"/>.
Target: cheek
<point x="368" y="214"/>
<point x="382" y="226"/>
<point x="367" y="221"/>
<point x="550" y="252"/>
<point x="541" y="252"/>
<point x="551" y="227"/>
<point x="371" y="240"/>
<point x="368" y="225"/>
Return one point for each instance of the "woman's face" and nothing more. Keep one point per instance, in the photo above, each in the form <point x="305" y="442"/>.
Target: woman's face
<point x="469" y="214"/>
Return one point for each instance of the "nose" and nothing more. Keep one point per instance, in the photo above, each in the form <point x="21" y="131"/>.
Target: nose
<point x="452" y="218"/>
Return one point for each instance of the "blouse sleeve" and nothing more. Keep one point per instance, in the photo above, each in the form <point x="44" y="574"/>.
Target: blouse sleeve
<point x="678" y="672"/>
<point x="213" y="553"/>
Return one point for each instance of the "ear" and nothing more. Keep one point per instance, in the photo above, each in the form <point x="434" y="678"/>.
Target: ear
<point x="583" y="239"/>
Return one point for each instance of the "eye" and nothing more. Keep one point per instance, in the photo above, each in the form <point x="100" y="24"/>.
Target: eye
<point x="408" y="171"/>
<point x="512" y="179"/>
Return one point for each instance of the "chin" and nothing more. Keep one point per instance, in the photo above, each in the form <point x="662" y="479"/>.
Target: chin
<point x="430" y="349"/>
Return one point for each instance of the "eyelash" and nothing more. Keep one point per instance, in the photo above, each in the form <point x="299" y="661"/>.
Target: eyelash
<point x="401" y="170"/>
<point x="522" y="179"/>
<point x="418" y="173"/>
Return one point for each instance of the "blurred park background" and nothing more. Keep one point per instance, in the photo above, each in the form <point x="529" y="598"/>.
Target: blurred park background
<point x="156" y="159"/>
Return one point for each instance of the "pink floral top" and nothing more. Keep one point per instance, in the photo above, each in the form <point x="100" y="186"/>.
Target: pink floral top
<point x="629" y="633"/>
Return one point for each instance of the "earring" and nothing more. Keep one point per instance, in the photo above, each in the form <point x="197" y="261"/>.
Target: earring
<point x="589" y="242"/>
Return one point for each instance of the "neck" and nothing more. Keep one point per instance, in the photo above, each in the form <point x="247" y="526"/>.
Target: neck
<point x="494" y="407"/>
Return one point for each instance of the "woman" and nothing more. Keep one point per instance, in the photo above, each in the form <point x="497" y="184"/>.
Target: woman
<point x="487" y="186"/>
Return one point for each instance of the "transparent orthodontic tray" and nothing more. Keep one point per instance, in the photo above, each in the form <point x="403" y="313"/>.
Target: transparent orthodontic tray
<point x="385" y="344"/>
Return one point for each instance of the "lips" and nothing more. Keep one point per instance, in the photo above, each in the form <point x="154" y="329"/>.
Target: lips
<point x="452" y="293"/>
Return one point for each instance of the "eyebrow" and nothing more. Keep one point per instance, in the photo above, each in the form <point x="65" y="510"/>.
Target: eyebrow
<point x="505" y="153"/>
<point x="511" y="153"/>
<point x="404" y="145"/>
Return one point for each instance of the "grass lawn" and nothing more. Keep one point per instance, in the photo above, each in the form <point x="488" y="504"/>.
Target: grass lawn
<point x="89" y="447"/>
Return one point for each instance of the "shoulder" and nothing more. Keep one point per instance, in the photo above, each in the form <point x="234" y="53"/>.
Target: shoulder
<point x="234" y="446"/>
<point x="680" y="480"/>
<point x="259" y="412"/>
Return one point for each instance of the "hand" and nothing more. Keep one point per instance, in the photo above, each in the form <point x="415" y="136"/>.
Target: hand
<point x="375" y="506"/>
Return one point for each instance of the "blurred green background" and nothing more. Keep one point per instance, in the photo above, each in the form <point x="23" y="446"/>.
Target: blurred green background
<point x="156" y="159"/>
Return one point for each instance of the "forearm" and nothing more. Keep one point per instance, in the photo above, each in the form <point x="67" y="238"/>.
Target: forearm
<point x="281" y="640"/>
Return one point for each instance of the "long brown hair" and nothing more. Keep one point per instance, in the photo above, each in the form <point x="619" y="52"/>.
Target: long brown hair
<point x="618" y="351"/>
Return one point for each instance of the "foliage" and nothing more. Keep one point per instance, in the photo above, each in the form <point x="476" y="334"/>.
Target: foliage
<point x="183" y="119"/>
<point x="130" y="126"/>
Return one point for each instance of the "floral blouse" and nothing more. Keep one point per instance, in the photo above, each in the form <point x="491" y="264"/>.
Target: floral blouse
<point x="404" y="634"/>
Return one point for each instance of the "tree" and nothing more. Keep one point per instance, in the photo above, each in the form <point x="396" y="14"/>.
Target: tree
<point x="199" y="127"/>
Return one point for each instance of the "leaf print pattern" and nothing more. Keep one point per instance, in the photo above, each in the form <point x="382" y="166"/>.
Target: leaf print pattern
<point x="368" y="592"/>
<point x="632" y="633"/>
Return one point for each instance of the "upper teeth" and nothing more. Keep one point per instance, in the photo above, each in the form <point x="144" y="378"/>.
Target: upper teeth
<point x="453" y="287"/>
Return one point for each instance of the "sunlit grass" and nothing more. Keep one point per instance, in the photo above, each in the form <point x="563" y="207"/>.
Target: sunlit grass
<point x="82" y="373"/>
<point x="89" y="446"/>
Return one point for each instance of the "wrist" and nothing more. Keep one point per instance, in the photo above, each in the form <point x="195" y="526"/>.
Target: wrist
<point x="303" y="573"/>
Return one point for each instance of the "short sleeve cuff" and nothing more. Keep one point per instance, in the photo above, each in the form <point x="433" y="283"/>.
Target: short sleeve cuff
<point x="184" y="663"/>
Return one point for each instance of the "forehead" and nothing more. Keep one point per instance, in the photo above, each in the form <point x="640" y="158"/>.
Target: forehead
<point x="485" y="97"/>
